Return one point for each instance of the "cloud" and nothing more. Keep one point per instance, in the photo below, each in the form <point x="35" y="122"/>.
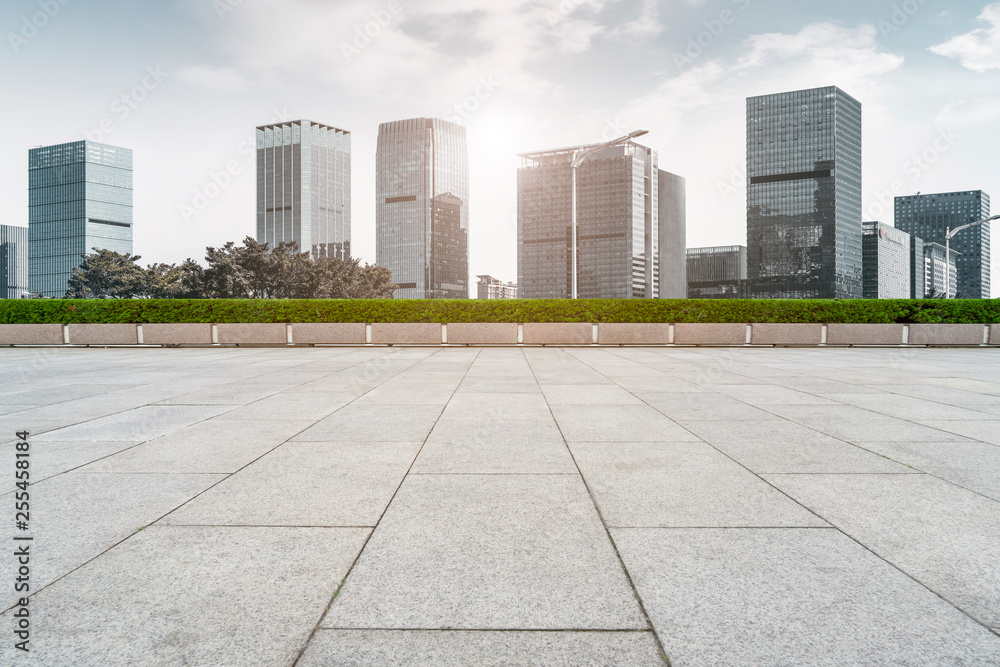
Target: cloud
<point x="644" y="28"/>
<point x="978" y="50"/>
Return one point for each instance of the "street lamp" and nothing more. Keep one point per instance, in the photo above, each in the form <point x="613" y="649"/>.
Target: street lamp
<point x="948" y="236"/>
<point x="578" y="158"/>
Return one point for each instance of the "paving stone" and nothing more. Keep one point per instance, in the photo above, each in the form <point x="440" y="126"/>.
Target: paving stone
<point x="488" y="552"/>
<point x="432" y="648"/>
<point x="381" y="423"/>
<point x="191" y="596"/>
<point x="972" y="465"/>
<point x="617" y="423"/>
<point x="697" y="407"/>
<point x="915" y="409"/>
<point x="941" y="535"/>
<point x="497" y="407"/>
<point x="985" y="431"/>
<point x="236" y="393"/>
<point x="662" y="484"/>
<point x="136" y="425"/>
<point x="791" y="597"/>
<point x="54" y="458"/>
<point x="495" y="447"/>
<point x="858" y="426"/>
<point x="561" y="394"/>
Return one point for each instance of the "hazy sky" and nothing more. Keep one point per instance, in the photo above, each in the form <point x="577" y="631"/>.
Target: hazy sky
<point x="184" y="82"/>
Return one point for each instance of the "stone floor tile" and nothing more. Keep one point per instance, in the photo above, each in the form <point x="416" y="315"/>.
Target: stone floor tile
<point x="495" y="447"/>
<point x="381" y="423"/>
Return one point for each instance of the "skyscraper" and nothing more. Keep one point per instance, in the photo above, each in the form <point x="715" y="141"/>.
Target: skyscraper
<point x="804" y="195"/>
<point x="630" y="219"/>
<point x="13" y="261"/>
<point x="79" y="199"/>
<point x="717" y="273"/>
<point x="422" y="207"/>
<point x="887" y="270"/>
<point x="304" y="187"/>
<point x="929" y="217"/>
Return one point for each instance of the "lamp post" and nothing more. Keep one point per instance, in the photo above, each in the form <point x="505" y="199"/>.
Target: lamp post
<point x="948" y="236"/>
<point x="578" y="158"/>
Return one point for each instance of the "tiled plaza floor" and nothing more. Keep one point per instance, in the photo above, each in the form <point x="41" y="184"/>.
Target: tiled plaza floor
<point x="426" y="506"/>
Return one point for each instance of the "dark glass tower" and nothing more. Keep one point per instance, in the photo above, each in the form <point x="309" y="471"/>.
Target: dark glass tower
<point x="804" y="195"/>
<point x="929" y="217"/>
<point x="717" y="273"/>
<point x="422" y="207"/>
<point x="304" y="187"/>
<point x="79" y="199"/>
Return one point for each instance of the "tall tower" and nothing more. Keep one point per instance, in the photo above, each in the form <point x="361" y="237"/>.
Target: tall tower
<point x="13" y="261"/>
<point x="804" y="195"/>
<point x="630" y="225"/>
<point x="929" y="217"/>
<point x="422" y="207"/>
<point x="304" y="187"/>
<point x="79" y="199"/>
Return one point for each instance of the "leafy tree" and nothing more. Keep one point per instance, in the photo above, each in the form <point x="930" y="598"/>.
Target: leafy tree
<point x="107" y="275"/>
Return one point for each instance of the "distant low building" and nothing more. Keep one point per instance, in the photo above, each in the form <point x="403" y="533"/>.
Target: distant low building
<point x="493" y="288"/>
<point x="13" y="261"/>
<point x="717" y="273"/>
<point x="886" y="260"/>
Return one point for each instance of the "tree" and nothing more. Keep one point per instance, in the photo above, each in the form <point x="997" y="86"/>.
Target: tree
<point x="107" y="275"/>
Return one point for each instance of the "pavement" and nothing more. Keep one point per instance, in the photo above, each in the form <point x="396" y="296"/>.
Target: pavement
<point x="572" y="506"/>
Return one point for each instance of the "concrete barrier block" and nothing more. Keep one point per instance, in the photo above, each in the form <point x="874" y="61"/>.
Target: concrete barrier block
<point x="177" y="334"/>
<point x="633" y="334"/>
<point x="348" y="333"/>
<point x="252" y="334"/>
<point x="946" y="334"/>
<point x="406" y="334"/>
<point x="558" y="333"/>
<point x="865" y="334"/>
<point x="787" y="334"/>
<point x="710" y="334"/>
<point x="103" y="334"/>
<point x="467" y="333"/>
<point x="995" y="334"/>
<point x="31" y="334"/>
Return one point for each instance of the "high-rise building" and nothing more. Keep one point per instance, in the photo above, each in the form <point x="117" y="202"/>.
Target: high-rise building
<point x="422" y="207"/>
<point x="930" y="216"/>
<point x="940" y="282"/>
<point x="918" y="278"/>
<point x="13" y="262"/>
<point x="717" y="273"/>
<point x="804" y="195"/>
<point x="630" y="225"/>
<point x="887" y="270"/>
<point x="79" y="200"/>
<point x="304" y="187"/>
<point x="494" y="288"/>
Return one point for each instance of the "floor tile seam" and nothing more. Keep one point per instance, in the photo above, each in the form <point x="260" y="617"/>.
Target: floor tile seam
<point x="916" y="475"/>
<point x="495" y="474"/>
<point x="828" y="527"/>
<point x="161" y="526"/>
<point x="607" y="532"/>
<point x="367" y="540"/>
<point x="581" y="631"/>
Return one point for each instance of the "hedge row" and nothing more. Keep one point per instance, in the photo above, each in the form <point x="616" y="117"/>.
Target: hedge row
<point x="64" y="311"/>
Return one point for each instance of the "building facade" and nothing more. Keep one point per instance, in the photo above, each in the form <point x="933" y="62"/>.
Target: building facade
<point x="940" y="274"/>
<point x="630" y="218"/>
<point x="79" y="200"/>
<point x="887" y="267"/>
<point x="13" y="262"/>
<point x="492" y="288"/>
<point x="930" y="216"/>
<point x="304" y="187"/>
<point x="717" y="273"/>
<point x="422" y="207"/>
<point x="804" y="195"/>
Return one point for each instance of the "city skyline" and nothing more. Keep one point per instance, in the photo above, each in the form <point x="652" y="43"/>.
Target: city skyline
<point x="520" y="75"/>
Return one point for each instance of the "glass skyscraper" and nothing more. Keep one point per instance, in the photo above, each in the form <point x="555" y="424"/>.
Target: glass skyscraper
<point x="304" y="187"/>
<point x="422" y="207"/>
<point x="630" y="225"/>
<point x="887" y="262"/>
<point x="79" y="200"/>
<point x="717" y="273"/>
<point x="929" y="217"/>
<point x="804" y="195"/>
<point x="13" y="261"/>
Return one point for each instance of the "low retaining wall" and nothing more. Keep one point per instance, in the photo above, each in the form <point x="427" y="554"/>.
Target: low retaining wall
<point x="457" y="334"/>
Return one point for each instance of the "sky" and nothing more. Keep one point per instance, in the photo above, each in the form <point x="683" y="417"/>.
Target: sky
<point x="183" y="83"/>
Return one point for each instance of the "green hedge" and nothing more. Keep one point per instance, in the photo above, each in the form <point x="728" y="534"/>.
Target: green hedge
<point x="36" y="311"/>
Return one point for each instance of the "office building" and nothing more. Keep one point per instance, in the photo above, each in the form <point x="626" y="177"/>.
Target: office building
<point x="493" y="288"/>
<point x="930" y="216"/>
<point x="887" y="269"/>
<point x="630" y="225"/>
<point x="79" y="201"/>
<point x="717" y="273"/>
<point x="940" y="282"/>
<point x="804" y="195"/>
<point x="918" y="278"/>
<point x="13" y="262"/>
<point x="422" y="208"/>
<point x="304" y="187"/>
